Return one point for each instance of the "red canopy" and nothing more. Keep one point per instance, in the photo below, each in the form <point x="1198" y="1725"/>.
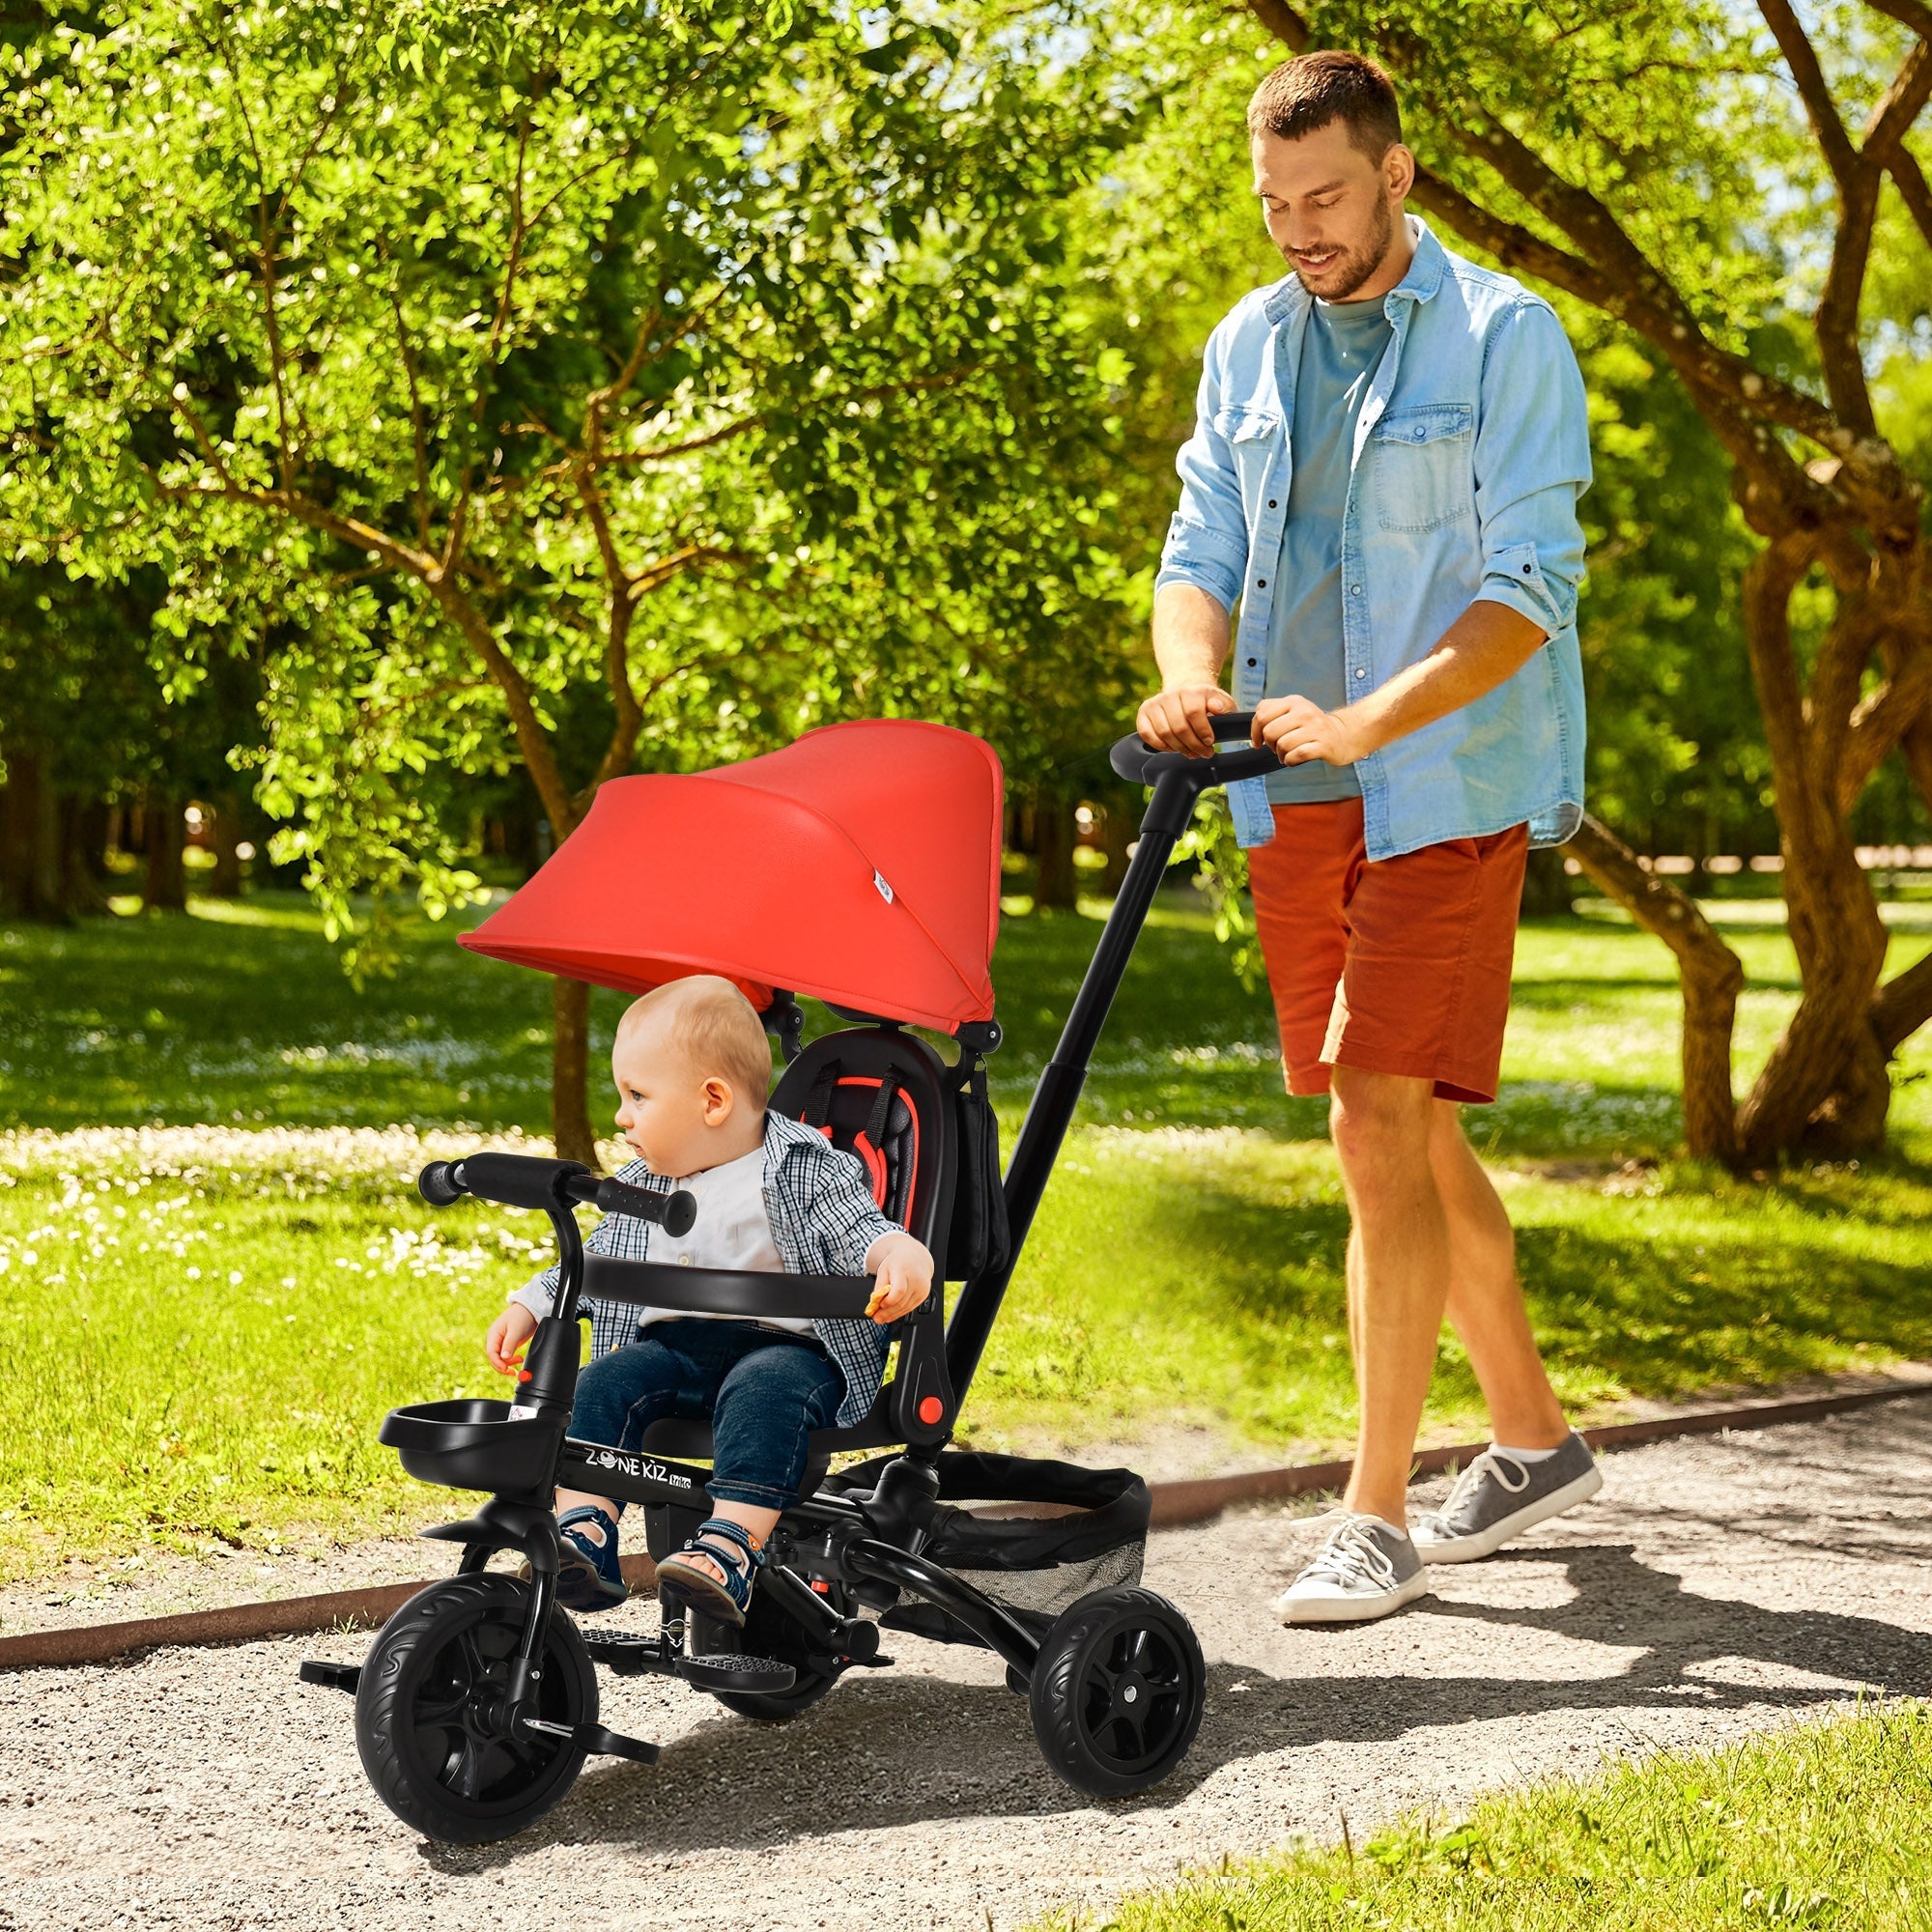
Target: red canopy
<point x="860" y="866"/>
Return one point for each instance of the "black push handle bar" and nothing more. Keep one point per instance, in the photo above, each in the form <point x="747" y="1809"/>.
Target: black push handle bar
<point x="523" y="1181"/>
<point x="1139" y="763"/>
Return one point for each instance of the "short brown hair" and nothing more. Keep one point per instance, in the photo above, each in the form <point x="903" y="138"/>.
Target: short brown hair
<point x="715" y="1026"/>
<point x="1312" y="90"/>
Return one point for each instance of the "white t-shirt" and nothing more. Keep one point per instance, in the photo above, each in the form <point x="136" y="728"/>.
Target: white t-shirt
<point x="732" y="1230"/>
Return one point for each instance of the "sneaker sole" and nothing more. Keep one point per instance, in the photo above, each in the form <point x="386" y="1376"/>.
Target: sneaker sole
<point x="1350" y="1610"/>
<point x="1487" y="1542"/>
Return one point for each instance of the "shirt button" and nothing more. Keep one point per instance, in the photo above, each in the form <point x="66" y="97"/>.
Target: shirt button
<point x="1251" y="664"/>
<point x="1526" y="570"/>
<point x="1418" y="436"/>
<point x="1354" y="590"/>
<point x="1261" y="583"/>
<point x="1361" y="674"/>
<point x="1271" y="503"/>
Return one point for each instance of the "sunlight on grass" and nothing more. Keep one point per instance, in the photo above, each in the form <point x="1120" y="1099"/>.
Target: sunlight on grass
<point x="1818" y="1826"/>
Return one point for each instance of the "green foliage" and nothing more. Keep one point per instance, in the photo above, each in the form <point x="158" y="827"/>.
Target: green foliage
<point x="578" y="387"/>
<point x="1816" y="1826"/>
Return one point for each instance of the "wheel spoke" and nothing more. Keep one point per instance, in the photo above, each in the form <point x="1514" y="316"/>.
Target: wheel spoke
<point x="463" y="1772"/>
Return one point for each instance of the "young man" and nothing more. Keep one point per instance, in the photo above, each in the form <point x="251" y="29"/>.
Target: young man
<point x="1384" y="477"/>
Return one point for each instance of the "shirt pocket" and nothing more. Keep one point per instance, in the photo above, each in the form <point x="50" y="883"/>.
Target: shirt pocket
<point x="1254" y="440"/>
<point x="1424" y="476"/>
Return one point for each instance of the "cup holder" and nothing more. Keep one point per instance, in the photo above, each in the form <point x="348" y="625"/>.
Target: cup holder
<point x="474" y="1445"/>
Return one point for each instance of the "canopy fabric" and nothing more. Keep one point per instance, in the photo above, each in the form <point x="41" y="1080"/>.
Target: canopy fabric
<point x="860" y="866"/>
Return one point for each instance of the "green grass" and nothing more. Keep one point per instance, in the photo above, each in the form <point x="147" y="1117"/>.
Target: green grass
<point x="1185" y="1268"/>
<point x="1822" y="1826"/>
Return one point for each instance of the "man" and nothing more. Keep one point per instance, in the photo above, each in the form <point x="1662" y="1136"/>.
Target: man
<point x="1384" y="477"/>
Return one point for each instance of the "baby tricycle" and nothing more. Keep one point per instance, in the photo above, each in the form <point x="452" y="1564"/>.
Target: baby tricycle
<point x="860" y="866"/>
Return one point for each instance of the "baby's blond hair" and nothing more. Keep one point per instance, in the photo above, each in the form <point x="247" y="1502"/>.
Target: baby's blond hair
<point x="716" y="1027"/>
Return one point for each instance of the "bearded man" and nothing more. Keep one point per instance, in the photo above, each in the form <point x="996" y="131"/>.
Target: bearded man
<point x="1384" y="477"/>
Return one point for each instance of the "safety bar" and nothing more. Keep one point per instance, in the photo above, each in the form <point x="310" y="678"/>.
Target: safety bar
<point x="745" y="1292"/>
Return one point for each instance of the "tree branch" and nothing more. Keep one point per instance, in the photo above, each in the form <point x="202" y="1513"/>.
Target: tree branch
<point x="1711" y="972"/>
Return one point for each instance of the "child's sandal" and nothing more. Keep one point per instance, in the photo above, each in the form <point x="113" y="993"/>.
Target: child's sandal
<point x="587" y="1577"/>
<point x="729" y="1546"/>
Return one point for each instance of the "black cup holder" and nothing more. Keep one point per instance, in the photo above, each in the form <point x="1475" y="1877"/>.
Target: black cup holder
<point x="474" y="1445"/>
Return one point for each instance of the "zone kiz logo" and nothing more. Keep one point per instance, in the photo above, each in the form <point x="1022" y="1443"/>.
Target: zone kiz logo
<point x="640" y="1468"/>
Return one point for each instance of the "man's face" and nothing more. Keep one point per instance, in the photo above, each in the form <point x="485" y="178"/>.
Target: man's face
<point x="1329" y="208"/>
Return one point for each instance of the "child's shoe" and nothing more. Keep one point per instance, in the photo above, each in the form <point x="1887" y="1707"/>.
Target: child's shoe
<point x="588" y="1577"/>
<point x="725" y="1596"/>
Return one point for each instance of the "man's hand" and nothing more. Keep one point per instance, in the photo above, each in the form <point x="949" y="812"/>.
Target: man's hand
<point x="904" y="1270"/>
<point x="1302" y="734"/>
<point x="1177" y="720"/>
<point x="507" y="1335"/>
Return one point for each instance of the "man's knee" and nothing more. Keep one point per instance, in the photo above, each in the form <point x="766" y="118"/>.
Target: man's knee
<point x="1380" y="1120"/>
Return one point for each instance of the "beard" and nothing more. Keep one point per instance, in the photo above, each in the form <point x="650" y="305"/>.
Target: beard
<point x="1353" y="267"/>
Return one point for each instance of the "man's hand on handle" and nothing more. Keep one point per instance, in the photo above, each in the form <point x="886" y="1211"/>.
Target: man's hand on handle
<point x="1299" y="733"/>
<point x="1178" y="719"/>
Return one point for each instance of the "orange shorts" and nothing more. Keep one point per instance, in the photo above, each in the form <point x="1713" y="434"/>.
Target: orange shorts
<point x="1396" y="966"/>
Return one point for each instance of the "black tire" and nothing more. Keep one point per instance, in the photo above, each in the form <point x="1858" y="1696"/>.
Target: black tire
<point x="430" y="1740"/>
<point x="769" y="1632"/>
<point x="1118" y="1693"/>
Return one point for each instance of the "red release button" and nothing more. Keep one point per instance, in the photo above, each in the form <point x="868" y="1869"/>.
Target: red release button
<point x="931" y="1410"/>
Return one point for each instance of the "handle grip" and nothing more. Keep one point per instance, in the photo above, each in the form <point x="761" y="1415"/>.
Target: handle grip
<point x="673" y="1212"/>
<point x="1140" y="764"/>
<point x="523" y="1181"/>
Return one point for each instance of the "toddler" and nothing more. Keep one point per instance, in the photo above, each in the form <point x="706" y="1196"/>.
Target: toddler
<point x="692" y="1068"/>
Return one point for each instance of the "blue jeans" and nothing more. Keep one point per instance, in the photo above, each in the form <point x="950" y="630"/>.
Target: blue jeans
<point x="762" y="1395"/>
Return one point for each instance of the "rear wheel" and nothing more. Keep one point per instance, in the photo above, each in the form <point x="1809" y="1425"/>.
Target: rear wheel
<point x="1118" y="1693"/>
<point x="430" y="1719"/>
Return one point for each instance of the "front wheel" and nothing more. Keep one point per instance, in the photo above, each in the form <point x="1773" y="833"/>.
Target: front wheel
<point x="430" y="1722"/>
<point x="1118" y="1693"/>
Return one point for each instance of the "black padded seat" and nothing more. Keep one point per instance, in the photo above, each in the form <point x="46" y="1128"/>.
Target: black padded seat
<point x="917" y="1403"/>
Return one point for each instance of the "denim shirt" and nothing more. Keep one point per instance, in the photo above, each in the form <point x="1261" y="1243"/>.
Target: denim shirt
<point x="1470" y="451"/>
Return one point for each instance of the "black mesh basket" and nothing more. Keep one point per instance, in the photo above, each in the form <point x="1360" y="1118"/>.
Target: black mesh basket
<point x="1089" y="1533"/>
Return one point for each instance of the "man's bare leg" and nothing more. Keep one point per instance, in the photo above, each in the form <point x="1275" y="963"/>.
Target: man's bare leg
<point x="1383" y="1125"/>
<point x="1484" y="1301"/>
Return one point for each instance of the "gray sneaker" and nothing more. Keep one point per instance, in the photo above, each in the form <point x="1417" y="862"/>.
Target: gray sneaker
<point x="1497" y="1497"/>
<point x="1364" y="1570"/>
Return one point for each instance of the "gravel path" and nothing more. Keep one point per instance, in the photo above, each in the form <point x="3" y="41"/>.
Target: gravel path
<point x="1718" y="1586"/>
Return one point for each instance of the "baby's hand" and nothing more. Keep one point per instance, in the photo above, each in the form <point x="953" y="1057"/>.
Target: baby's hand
<point x="904" y="1270"/>
<point x="508" y="1333"/>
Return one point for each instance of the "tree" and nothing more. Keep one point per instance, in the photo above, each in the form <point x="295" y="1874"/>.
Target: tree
<point x="570" y="388"/>
<point x="1642" y="160"/>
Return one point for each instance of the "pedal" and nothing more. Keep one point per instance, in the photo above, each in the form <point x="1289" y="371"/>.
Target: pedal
<point x="336" y="1676"/>
<point x="738" y="1673"/>
<point x="628" y="1655"/>
<point x="595" y="1738"/>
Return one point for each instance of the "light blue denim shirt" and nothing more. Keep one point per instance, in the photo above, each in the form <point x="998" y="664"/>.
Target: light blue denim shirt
<point x="1471" y="452"/>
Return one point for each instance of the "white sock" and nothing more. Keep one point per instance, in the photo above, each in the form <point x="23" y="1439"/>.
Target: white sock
<point x="1523" y="1454"/>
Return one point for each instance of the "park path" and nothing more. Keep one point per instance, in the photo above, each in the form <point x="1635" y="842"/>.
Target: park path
<point x="1716" y="1587"/>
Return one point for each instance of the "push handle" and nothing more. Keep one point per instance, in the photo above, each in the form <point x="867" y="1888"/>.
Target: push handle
<point x="523" y="1181"/>
<point x="1140" y="764"/>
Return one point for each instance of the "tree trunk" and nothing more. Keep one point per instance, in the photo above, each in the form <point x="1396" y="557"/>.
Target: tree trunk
<point x="1056" y="882"/>
<point x="224" y="835"/>
<point x="569" y="1072"/>
<point x="83" y="845"/>
<point x="168" y="877"/>
<point x="1548" y="890"/>
<point x="1710" y="974"/>
<point x="1117" y="831"/>
<point x="31" y="885"/>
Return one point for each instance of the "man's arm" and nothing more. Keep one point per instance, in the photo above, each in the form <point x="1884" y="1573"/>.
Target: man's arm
<point x="1485" y="645"/>
<point x="1190" y="645"/>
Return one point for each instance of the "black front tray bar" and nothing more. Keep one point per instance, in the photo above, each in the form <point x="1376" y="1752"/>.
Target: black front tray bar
<point x="630" y="1477"/>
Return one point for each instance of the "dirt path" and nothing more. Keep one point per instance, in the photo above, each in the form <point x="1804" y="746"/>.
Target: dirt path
<point x="1716" y="1587"/>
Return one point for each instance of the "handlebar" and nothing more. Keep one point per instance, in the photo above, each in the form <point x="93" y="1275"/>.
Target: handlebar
<point x="1140" y="764"/>
<point x="523" y="1181"/>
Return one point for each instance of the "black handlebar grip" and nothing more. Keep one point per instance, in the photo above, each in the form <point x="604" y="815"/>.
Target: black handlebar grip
<point x="673" y="1212"/>
<point x="437" y="1184"/>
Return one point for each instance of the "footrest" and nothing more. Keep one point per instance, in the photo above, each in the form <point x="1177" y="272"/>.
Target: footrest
<point x="738" y="1673"/>
<point x="628" y="1656"/>
<point x="336" y="1676"/>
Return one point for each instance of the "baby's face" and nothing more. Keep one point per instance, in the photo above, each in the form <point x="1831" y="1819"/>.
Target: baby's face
<point x="667" y="1110"/>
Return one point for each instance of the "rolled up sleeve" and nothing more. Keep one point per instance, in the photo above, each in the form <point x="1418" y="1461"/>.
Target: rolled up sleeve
<point x="1207" y="538"/>
<point x="1532" y="460"/>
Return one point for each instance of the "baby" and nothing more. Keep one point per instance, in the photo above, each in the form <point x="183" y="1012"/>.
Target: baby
<point x="692" y="1068"/>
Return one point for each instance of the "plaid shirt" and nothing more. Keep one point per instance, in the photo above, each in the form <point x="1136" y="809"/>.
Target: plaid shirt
<point x="824" y="1221"/>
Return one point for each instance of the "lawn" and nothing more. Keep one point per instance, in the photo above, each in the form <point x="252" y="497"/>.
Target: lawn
<point x="1821" y="1825"/>
<point x="205" y="1198"/>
